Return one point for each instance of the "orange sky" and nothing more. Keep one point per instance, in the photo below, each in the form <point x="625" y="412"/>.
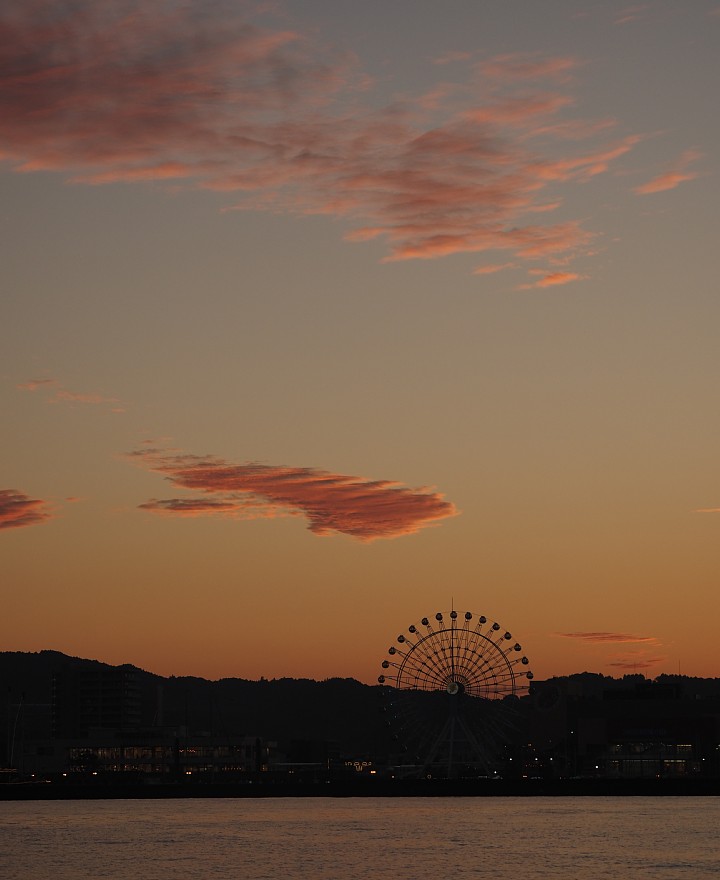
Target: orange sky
<point x="318" y="323"/>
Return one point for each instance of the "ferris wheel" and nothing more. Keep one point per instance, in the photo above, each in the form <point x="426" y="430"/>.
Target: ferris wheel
<point x="452" y="686"/>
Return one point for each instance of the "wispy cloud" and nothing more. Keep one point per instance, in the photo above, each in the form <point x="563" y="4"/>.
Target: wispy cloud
<point x="492" y="268"/>
<point x="608" y="637"/>
<point x="634" y="662"/>
<point x="192" y="95"/>
<point x="356" y="506"/>
<point x="453" y="58"/>
<point x="632" y="659"/>
<point x="18" y="510"/>
<point x="517" y="66"/>
<point x="56" y="393"/>
<point x="707" y="510"/>
<point x="551" y="279"/>
<point x="631" y="13"/>
<point x="35" y="384"/>
<point x="673" y="177"/>
<point x="231" y="507"/>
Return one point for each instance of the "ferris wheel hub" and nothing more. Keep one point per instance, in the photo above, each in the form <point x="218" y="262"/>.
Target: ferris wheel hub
<point x="453" y="687"/>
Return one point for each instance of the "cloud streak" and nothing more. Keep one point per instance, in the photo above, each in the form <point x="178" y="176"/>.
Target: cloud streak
<point x="91" y="397"/>
<point x="552" y="279"/>
<point x="635" y="661"/>
<point x="608" y="637"/>
<point x="671" y="178"/>
<point x="632" y="13"/>
<point x="33" y="385"/>
<point x="332" y="503"/>
<point x="59" y="394"/>
<point x="18" y="510"/>
<point x="192" y="95"/>
<point x="231" y="507"/>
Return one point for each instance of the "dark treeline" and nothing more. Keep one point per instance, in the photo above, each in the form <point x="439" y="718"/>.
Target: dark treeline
<point x="288" y="710"/>
<point x="342" y="710"/>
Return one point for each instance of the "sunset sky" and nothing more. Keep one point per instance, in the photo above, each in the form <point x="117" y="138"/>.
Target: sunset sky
<point x="319" y="316"/>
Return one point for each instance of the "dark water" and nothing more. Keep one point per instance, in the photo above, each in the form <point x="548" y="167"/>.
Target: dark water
<point x="345" y="839"/>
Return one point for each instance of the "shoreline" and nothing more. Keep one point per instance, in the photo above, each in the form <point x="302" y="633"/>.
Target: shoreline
<point x="382" y="788"/>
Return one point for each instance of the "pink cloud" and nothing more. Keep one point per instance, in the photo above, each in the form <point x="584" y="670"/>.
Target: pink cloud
<point x="195" y="96"/>
<point x="607" y="637"/>
<point x="589" y="165"/>
<point x="18" y="510"/>
<point x="575" y="129"/>
<point x="233" y="508"/>
<point x="63" y="395"/>
<point x="437" y="96"/>
<point x="452" y="58"/>
<point x="355" y="506"/>
<point x="518" y="66"/>
<point x="492" y="268"/>
<point x="518" y="111"/>
<point x="34" y="384"/>
<point x="669" y="180"/>
<point x="552" y="279"/>
<point x="672" y="178"/>
<point x="631" y="13"/>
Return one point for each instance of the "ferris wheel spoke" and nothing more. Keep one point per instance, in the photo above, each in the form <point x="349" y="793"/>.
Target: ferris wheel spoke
<point x="425" y="669"/>
<point x="468" y="651"/>
<point x="423" y="649"/>
<point x="480" y="666"/>
<point x="477" y="634"/>
<point x="446" y="647"/>
<point x="425" y="658"/>
<point x="427" y="679"/>
<point x="501" y="676"/>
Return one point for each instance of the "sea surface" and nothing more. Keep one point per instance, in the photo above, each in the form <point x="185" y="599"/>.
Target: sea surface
<point x="344" y="839"/>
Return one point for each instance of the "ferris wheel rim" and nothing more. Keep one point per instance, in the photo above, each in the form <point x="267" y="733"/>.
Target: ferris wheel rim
<point x="477" y="661"/>
<point x="456" y="663"/>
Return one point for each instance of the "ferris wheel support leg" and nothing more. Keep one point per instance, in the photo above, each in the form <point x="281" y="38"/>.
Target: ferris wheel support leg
<point x="451" y="747"/>
<point x="435" y="749"/>
<point x="482" y="754"/>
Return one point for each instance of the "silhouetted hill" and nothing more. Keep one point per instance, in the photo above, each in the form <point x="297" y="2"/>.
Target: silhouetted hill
<point x="341" y="711"/>
<point x="307" y="718"/>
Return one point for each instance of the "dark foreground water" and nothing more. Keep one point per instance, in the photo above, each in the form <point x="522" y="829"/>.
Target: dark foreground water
<point x="344" y="839"/>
